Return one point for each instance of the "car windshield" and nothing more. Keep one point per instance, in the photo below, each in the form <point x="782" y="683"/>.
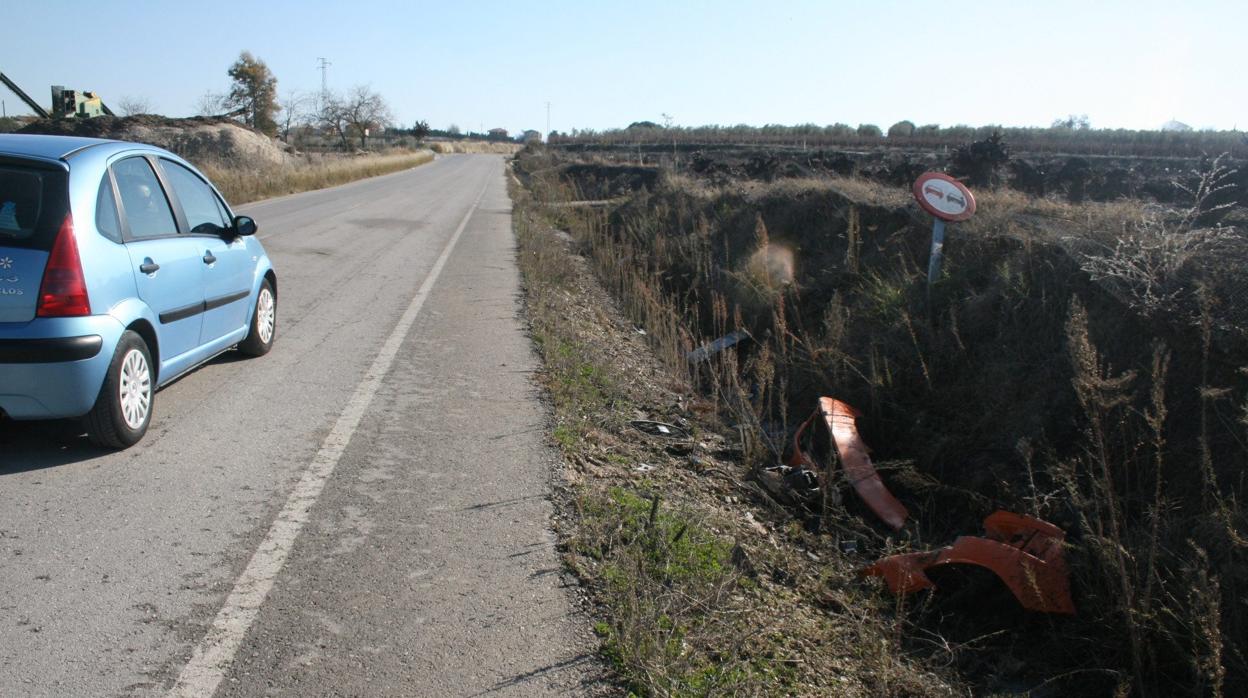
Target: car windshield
<point x="32" y="206"/>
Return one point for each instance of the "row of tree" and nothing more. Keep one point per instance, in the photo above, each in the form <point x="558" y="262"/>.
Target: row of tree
<point x="1070" y="135"/>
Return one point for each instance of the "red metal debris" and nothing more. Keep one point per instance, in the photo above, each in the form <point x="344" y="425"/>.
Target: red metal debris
<point x="840" y="420"/>
<point x="1026" y="553"/>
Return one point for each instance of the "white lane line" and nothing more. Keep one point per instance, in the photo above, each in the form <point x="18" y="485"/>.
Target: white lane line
<point x="214" y="654"/>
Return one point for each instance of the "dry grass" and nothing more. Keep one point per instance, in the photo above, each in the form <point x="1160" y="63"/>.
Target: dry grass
<point x="240" y="186"/>
<point x="448" y="147"/>
<point x="703" y="585"/>
<point x="1002" y="211"/>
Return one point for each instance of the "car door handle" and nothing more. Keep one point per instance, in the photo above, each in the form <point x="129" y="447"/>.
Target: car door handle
<point x="148" y="266"/>
<point x="208" y="258"/>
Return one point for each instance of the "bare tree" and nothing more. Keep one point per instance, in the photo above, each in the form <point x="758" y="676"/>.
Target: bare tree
<point x="364" y="110"/>
<point x="129" y="105"/>
<point x="332" y="117"/>
<point x="294" y="109"/>
<point x="210" y="104"/>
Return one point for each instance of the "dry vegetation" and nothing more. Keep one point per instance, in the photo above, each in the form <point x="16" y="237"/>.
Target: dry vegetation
<point x="1033" y="377"/>
<point x="241" y="185"/>
<point x="699" y="591"/>
<point x="461" y="146"/>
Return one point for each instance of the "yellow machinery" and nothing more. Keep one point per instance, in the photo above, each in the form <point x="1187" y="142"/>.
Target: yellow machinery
<point x="66" y="104"/>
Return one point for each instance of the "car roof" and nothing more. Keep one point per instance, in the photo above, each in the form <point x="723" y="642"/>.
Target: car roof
<point x="51" y="147"/>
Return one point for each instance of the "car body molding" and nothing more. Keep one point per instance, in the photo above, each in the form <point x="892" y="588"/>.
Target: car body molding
<point x="212" y="303"/>
<point x="181" y="313"/>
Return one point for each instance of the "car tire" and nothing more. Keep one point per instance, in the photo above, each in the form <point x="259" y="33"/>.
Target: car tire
<point x="123" y="409"/>
<point x="263" y="323"/>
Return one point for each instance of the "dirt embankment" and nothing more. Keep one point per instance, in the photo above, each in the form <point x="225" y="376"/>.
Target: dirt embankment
<point x="244" y="164"/>
<point x="1077" y="363"/>
<point x="1072" y="177"/>
<point x="202" y="140"/>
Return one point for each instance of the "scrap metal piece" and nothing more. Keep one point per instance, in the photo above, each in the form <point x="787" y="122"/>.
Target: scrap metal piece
<point x="710" y="349"/>
<point x="795" y="485"/>
<point x="1024" y="552"/>
<point x="660" y="429"/>
<point x="841" y="422"/>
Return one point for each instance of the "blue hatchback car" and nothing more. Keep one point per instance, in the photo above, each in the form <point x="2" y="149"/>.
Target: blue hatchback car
<point x="121" y="269"/>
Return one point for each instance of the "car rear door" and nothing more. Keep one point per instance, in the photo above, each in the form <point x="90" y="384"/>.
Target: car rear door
<point x="168" y="269"/>
<point x="33" y="206"/>
<point x="229" y="266"/>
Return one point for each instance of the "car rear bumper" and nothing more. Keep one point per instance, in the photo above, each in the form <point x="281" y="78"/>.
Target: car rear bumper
<point x="52" y="369"/>
<point x="55" y="350"/>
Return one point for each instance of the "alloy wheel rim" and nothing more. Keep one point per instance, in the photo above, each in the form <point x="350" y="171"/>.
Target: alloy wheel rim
<point x="135" y="389"/>
<point x="265" y="316"/>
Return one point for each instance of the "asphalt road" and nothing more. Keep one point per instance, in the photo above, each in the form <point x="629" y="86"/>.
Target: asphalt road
<point x="361" y="512"/>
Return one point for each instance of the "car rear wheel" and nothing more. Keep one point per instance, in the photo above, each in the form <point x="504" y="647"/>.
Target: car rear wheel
<point x="263" y="323"/>
<point x="123" y="408"/>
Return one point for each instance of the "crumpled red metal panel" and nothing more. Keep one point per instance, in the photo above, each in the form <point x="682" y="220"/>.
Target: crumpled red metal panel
<point x="841" y="422"/>
<point x="1025" y="552"/>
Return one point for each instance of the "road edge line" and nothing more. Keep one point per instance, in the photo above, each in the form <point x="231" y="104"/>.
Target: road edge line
<point x="215" y="652"/>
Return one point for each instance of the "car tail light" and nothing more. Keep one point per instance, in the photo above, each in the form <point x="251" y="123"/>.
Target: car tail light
<point x="63" y="292"/>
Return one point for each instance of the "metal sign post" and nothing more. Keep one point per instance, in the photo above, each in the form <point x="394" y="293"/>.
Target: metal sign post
<point x="949" y="201"/>
<point x="938" y="244"/>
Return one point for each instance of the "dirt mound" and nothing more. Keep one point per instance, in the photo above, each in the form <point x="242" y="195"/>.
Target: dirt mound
<point x="199" y="139"/>
<point x="608" y="181"/>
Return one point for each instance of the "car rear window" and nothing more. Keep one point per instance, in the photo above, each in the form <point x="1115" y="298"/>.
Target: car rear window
<point x="33" y="204"/>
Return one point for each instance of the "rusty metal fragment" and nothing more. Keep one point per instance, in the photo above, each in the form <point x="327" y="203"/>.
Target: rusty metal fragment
<point x="1026" y="553"/>
<point x="840" y="421"/>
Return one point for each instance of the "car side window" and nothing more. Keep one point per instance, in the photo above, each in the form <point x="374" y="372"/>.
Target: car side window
<point x="106" y="220"/>
<point x="143" y="200"/>
<point x="199" y="202"/>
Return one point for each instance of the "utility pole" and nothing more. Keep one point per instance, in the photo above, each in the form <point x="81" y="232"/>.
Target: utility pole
<point x="668" y="120"/>
<point x="324" y="82"/>
<point x="547" y="121"/>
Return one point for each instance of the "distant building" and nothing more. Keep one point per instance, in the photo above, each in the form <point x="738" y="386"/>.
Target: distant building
<point x="1178" y="126"/>
<point x="531" y="136"/>
<point x="499" y="133"/>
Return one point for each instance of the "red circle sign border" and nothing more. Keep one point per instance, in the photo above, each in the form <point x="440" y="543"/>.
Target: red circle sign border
<point x="929" y="176"/>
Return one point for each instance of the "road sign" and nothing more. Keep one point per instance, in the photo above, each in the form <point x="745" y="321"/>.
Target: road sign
<point x="944" y="197"/>
<point x="949" y="201"/>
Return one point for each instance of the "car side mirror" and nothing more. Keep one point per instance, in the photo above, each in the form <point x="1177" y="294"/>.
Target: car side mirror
<point x="244" y="225"/>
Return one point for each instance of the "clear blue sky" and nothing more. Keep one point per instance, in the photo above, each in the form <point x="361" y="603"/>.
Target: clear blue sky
<point x="606" y="64"/>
